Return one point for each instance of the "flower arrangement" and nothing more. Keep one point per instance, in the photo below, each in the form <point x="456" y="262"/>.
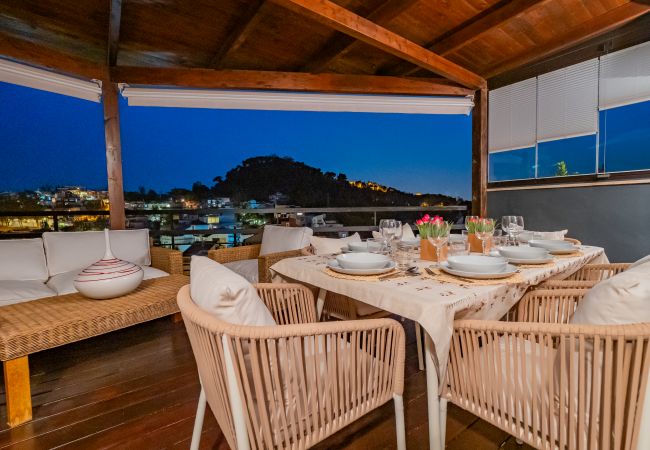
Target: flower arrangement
<point x="432" y="227"/>
<point x="470" y="224"/>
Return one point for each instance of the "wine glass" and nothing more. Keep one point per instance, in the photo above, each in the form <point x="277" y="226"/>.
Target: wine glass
<point x="513" y="226"/>
<point x="484" y="231"/>
<point x="438" y="236"/>
<point x="388" y="229"/>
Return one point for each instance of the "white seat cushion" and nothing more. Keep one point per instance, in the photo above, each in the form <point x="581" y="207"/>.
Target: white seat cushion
<point x="17" y="291"/>
<point x="22" y="259"/>
<point x="63" y="283"/>
<point x="283" y="239"/>
<point x="327" y="246"/>
<point x="226" y="295"/>
<point x="68" y="251"/>
<point x="247" y="268"/>
<point x="645" y="259"/>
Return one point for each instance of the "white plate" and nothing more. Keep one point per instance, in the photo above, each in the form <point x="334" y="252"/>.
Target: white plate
<point x="550" y="244"/>
<point x="477" y="263"/>
<point x="334" y="265"/>
<point x="510" y="270"/>
<point x="529" y="261"/>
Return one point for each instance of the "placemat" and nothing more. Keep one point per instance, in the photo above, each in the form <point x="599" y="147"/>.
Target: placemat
<point x="344" y="276"/>
<point x="535" y="266"/>
<point x="570" y="255"/>
<point x="443" y="277"/>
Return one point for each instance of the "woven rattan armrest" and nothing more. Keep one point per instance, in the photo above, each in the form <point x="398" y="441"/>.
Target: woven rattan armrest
<point x="548" y="305"/>
<point x="288" y="303"/>
<point x="265" y="262"/>
<point x="566" y="284"/>
<point x="226" y="255"/>
<point x="167" y="259"/>
<point x="599" y="271"/>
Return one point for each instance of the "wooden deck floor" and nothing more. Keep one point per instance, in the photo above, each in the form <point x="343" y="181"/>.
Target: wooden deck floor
<point x="137" y="389"/>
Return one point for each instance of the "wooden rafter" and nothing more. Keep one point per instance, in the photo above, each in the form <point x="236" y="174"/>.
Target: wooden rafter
<point x="590" y="29"/>
<point x="238" y="32"/>
<point x="114" y="20"/>
<point x="345" y="21"/>
<point x="341" y="43"/>
<point x="47" y="57"/>
<point x="470" y="31"/>
<point x="285" y="81"/>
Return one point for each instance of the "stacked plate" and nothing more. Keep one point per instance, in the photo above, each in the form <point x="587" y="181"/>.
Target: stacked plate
<point x="525" y="255"/>
<point x="478" y="266"/>
<point x="361" y="247"/>
<point x="556" y="247"/>
<point x="361" y="264"/>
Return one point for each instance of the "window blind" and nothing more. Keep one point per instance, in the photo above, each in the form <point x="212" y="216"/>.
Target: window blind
<point x="568" y="102"/>
<point x="625" y="77"/>
<point x="512" y="112"/>
<point x="22" y="75"/>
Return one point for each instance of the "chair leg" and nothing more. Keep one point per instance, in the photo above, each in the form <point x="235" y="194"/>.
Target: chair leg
<point x="198" y="421"/>
<point x="418" y="343"/>
<point x="443" y="420"/>
<point x="399" y="422"/>
<point x="17" y="391"/>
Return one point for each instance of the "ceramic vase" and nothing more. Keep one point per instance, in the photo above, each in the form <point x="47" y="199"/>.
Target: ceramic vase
<point x="109" y="277"/>
<point x="429" y="252"/>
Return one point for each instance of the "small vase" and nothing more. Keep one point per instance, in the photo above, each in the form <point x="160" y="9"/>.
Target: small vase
<point x="475" y="245"/>
<point x="109" y="277"/>
<point x="429" y="252"/>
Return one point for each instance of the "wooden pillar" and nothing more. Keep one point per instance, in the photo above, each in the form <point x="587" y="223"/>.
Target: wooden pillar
<point x="480" y="153"/>
<point x="110" y="99"/>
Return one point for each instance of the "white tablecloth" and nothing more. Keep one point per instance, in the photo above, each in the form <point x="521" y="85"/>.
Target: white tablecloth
<point x="433" y="304"/>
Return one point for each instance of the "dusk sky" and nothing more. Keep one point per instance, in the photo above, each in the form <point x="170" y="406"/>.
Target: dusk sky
<point x="50" y="139"/>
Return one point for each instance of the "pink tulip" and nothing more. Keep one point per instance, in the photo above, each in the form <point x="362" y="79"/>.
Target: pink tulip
<point x="419" y="222"/>
<point x="426" y="218"/>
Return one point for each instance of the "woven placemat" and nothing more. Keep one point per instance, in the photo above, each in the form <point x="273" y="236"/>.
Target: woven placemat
<point x="344" y="276"/>
<point x="535" y="266"/>
<point x="570" y="255"/>
<point x="443" y="277"/>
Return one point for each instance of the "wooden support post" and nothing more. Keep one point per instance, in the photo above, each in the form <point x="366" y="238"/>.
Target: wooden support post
<point x="480" y="153"/>
<point x="113" y="154"/>
<point x="17" y="391"/>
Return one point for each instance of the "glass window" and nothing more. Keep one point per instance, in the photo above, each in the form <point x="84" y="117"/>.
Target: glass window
<point x="572" y="156"/>
<point x="625" y="138"/>
<point x="512" y="164"/>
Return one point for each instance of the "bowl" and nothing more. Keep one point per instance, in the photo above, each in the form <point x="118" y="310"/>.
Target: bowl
<point x="549" y="244"/>
<point x="523" y="252"/>
<point x="362" y="260"/>
<point x="364" y="246"/>
<point x="477" y="263"/>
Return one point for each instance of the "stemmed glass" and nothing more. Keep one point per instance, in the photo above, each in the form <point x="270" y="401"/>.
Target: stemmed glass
<point x="438" y="236"/>
<point x="390" y="229"/>
<point x="513" y="226"/>
<point x="484" y="231"/>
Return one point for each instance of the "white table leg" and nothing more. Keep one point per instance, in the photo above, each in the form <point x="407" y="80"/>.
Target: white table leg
<point x="320" y="301"/>
<point x="433" y="399"/>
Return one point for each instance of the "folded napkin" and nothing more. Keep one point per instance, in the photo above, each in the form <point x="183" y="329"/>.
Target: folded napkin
<point x="527" y="235"/>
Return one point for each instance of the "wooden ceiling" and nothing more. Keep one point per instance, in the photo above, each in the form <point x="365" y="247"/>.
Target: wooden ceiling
<point x="451" y="46"/>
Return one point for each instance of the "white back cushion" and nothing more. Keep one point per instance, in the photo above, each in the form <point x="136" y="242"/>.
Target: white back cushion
<point x="226" y="295"/>
<point x="643" y="260"/>
<point x="68" y="251"/>
<point x="22" y="259"/>
<point x="623" y="298"/>
<point x="327" y="246"/>
<point x="282" y="239"/>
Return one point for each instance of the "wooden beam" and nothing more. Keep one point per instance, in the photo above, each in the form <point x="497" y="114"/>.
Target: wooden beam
<point x="17" y="391"/>
<point x="345" y="21"/>
<point x="110" y="100"/>
<point x="285" y="81"/>
<point x="480" y="153"/>
<point x="341" y="43"/>
<point x="38" y="55"/>
<point x="238" y="32"/>
<point x="470" y="30"/>
<point x="590" y="29"/>
<point x="114" y="20"/>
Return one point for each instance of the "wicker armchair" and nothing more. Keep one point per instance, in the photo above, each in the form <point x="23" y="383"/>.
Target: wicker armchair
<point x="294" y="384"/>
<point x="551" y="384"/>
<point x="171" y="261"/>
<point x="598" y="272"/>
<point x="264" y="263"/>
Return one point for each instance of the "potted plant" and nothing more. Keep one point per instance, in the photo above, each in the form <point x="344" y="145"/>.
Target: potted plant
<point x="434" y="232"/>
<point x="475" y="245"/>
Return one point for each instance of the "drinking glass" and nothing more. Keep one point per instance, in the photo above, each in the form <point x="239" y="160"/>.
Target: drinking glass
<point x="377" y="245"/>
<point x="388" y="229"/>
<point x="458" y="244"/>
<point x="484" y="231"/>
<point x="439" y="237"/>
<point x="403" y="255"/>
<point x="513" y="226"/>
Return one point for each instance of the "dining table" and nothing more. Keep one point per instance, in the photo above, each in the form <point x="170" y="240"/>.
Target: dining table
<point x="433" y="304"/>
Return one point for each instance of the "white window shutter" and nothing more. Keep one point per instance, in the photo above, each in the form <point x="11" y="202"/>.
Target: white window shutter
<point x="568" y="102"/>
<point x="625" y="77"/>
<point x="512" y="111"/>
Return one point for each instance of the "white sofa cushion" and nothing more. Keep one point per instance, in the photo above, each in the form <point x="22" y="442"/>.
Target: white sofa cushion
<point x="68" y="251"/>
<point x="22" y="259"/>
<point x="226" y="295"/>
<point x="327" y="246"/>
<point x="63" y="283"/>
<point x="283" y="239"/>
<point x="17" y="291"/>
<point x="247" y="268"/>
<point x="623" y="298"/>
<point x="645" y="259"/>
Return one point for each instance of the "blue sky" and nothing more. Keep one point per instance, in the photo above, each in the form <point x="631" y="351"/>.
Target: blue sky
<point x="47" y="138"/>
